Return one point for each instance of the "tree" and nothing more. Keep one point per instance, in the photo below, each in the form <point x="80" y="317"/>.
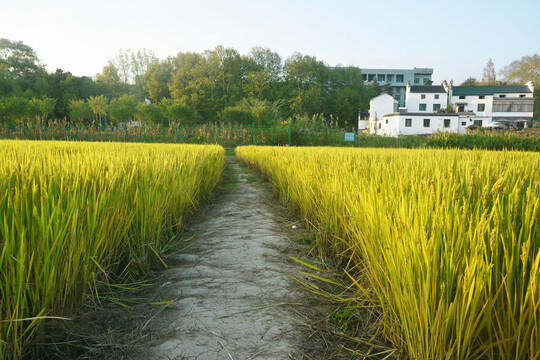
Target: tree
<point x="523" y="70"/>
<point x="110" y="78"/>
<point x="345" y="94"/>
<point x="470" y="81"/>
<point x="20" y="69"/>
<point x="20" y="59"/>
<point x="157" y="79"/>
<point x="133" y="65"/>
<point x="306" y="77"/>
<point x="375" y="89"/>
<point x="388" y="89"/>
<point x="16" y="108"/>
<point x="123" y="108"/>
<point x="175" y="110"/>
<point x="150" y="113"/>
<point x="264" y="74"/>
<point x="98" y="105"/>
<point x="489" y="76"/>
<point x="80" y="110"/>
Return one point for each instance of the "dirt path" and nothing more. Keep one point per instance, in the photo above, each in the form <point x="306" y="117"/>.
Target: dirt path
<point x="234" y="296"/>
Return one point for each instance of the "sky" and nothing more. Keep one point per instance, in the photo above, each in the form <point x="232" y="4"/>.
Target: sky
<point x="455" y="38"/>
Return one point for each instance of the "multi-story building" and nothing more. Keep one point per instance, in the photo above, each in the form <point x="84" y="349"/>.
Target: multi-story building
<point x="429" y="109"/>
<point x="398" y="78"/>
<point x="509" y="105"/>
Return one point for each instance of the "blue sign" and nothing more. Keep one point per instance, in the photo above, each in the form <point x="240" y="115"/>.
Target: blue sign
<point x="349" y="136"/>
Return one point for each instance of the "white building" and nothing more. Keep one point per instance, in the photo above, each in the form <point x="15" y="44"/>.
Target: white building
<point x="424" y="111"/>
<point x="509" y="105"/>
<point x="379" y="106"/>
<point x="422" y="123"/>
<point x="428" y="99"/>
<point x="398" y="78"/>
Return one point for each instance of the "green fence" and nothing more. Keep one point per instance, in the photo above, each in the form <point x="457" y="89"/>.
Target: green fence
<point x="226" y="135"/>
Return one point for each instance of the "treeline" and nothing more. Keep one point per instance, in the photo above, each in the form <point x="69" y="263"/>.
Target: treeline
<point x="215" y="85"/>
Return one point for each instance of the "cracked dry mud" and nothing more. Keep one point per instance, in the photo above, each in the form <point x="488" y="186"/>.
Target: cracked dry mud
<point x="234" y="295"/>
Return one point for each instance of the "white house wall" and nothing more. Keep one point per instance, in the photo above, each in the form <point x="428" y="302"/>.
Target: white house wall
<point x="394" y="125"/>
<point x="473" y="101"/>
<point x="415" y="99"/>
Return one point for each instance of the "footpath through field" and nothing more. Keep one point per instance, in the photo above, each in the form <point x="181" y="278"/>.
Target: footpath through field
<point x="235" y="297"/>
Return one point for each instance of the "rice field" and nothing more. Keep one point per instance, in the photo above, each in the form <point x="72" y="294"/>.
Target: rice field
<point x="73" y="213"/>
<point x="448" y="240"/>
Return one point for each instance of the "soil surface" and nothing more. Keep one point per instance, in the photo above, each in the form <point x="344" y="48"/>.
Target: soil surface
<point x="233" y="294"/>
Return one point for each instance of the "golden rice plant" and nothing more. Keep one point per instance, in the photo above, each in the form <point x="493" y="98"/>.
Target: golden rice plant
<point x="72" y="212"/>
<point x="449" y="239"/>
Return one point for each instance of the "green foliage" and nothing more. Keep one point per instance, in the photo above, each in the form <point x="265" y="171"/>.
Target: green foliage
<point x="374" y="88"/>
<point x="470" y="81"/>
<point x="252" y="111"/>
<point x="306" y="77"/>
<point x="15" y="108"/>
<point x="207" y="83"/>
<point x="98" y="105"/>
<point x="79" y="110"/>
<point x="150" y="113"/>
<point x="237" y="115"/>
<point x="523" y="70"/>
<point x="489" y="76"/>
<point x="123" y="108"/>
<point x="157" y="79"/>
<point x="177" y="111"/>
<point x="387" y="89"/>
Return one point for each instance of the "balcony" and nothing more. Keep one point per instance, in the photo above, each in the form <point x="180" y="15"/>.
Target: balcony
<point x="513" y="105"/>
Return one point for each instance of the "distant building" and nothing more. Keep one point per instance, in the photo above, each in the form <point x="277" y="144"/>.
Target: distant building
<point x="425" y="110"/>
<point x="509" y="105"/>
<point x="398" y="78"/>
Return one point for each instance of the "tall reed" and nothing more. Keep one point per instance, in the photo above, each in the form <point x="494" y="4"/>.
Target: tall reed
<point x="449" y="239"/>
<point x="70" y="213"/>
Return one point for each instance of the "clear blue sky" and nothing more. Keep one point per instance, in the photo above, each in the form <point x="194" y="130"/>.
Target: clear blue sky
<point x="456" y="38"/>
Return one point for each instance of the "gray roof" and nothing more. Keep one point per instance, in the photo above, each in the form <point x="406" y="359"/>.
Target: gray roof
<point x="489" y="90"/>
<point x="428" y="89"/>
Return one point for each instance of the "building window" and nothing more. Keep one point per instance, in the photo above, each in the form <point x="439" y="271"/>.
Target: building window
<point x="462" y="97"/>
<point x="386" y="121"/>
<point x="423" y="96"/>
<point x="463" y="123"/>
<point x="436" y="96"/>
<point x="502" y="96"/>
<point x="370" y="77"/>
<point x="481" y="97"/>
<point x="522" y="96"/>
<point x="426" y="122"/>
<point x="446" y="123"/>
<point x="461" y="108"/>
<point x="436" y="107"/>
<point x="481" y="107"/>
<point x="478" y="123"/>
<point x="389" y="77"/>
<point x="399" y="78"/>
<point x="511" y="106"/>
<point x="380" y="78"/>
<point x="364" y="77"/>
<point x="417" y="80"/>
<point x="408" y="122"/>
<point x="422" y="107"/>
<point x="379" y="125"/>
